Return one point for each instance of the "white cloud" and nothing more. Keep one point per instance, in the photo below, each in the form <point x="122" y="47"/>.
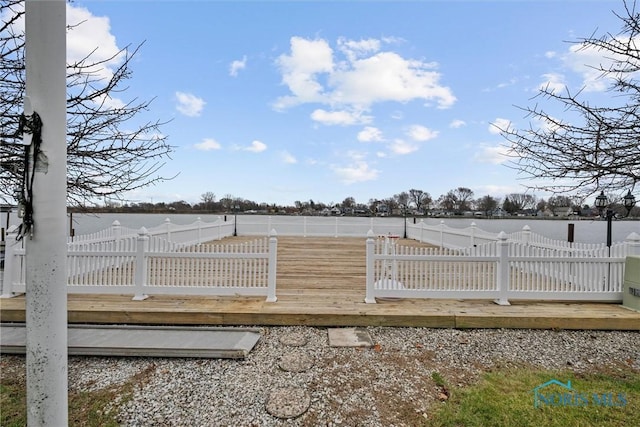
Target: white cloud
<point x="421" y="133"/>
<point x="299" y="69"/>
<point x="288" y="158"/>
<point x="208" y="144"/>
<point x="189" y="104"/>
<point x="237" y="65"/>
<point x="357" y="49"/>
<point x="366" y="76"/>
<point x="91" y="35"/>
<point x="108" y="101"/>
<point x="495" y="154"/>
<point x="387" y="76"/>
<point x="357" y="171"/>
<point x="256" y="147"/>
<point x="402" y="147"/>
<point x="586" y="61"/>
<point x="497" y="124"/>
<point x="342" y="118"/>
<point x="553" y="82"/>
<point x="370" y="134"/>
<point x="456" y="124"/>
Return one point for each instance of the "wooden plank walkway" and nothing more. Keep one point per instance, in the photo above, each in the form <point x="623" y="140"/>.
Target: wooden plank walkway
<point x="321" y="282"/>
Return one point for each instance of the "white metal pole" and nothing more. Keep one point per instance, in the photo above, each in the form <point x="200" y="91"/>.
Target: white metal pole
<point x="46" y="250"/>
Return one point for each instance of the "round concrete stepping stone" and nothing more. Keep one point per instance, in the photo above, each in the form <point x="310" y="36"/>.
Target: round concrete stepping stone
<point x="294" y="339"/>
<point x="296" y="361"/>
<point x="288" y="402"/>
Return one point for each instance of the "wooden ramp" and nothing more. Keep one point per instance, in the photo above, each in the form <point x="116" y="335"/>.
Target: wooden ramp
<point x="321" y="282"/>
<point x="147" y="341"/>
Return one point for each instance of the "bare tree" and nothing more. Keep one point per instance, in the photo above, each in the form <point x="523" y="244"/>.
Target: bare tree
<point x="555" y="203"/>
<point x="487" y="205"/>
<point x="458" y="200"/>
<point x="111" y="148"/>
<point x="521" y="201"/>
<point x="592" y="148"/>
<point x="349" y="202"/>
<point x="208" y="200"/>
<point x="401" y="200"/>
<point x="420" y="199"/>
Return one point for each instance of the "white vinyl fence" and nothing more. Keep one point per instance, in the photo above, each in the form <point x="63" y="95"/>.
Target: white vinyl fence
<point x="528" y="269"/>
<point x="189" y="234"/>
<point x="117" y="262"/>
<point x="468" y="263"/>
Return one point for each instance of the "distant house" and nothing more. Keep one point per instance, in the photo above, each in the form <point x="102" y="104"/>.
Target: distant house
<point x="382" y="210"/>
<point x="499" y="213"/>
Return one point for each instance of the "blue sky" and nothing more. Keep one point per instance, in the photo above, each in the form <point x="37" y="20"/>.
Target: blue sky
<point x="279" y="101"/>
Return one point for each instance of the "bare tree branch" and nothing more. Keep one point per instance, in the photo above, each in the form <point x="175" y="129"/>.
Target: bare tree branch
<point x="595" y="148"/>
<point x="111" y="149"/>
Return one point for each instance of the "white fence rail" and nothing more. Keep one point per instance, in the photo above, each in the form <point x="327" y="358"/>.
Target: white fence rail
<point x="500" y="270"/>
<point x="317" y="226"/>
<point x="190" y="234"/>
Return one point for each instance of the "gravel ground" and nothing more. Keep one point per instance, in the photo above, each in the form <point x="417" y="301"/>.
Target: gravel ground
<point x="293" y="370"/>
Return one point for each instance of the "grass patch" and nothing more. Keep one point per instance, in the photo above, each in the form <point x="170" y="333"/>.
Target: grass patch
<point x="97" y="408"/>
<point x="438" y="379"/>
<point x="506" y="398"/>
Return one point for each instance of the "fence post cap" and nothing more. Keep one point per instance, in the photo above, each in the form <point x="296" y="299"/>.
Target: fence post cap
<point x="143" y="231"/>
<point x="633" y="237"/>
<point x="526" y="228"/>
<point x="473" y="224"/>
<point x="370" y="234"/>
<point x="502" y="235"/>
<point x="115" y="223"/>
<point x="273" y="233"/>
<point x="167" y="220"/>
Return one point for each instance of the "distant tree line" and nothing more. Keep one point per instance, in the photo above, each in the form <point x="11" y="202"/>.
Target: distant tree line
<point x="458" y="201"/>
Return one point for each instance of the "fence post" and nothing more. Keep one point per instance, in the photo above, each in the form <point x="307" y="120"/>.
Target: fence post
<point x="167" y="224"/>
<point x="526" y="234"/>
<point x="116" y="230"/>
<point x="369" y="297"/>
<point x="140" y="277"/>
<point x="633" y="243"/>
<point x="503" y="278"/>
<point x="10" y="264"/>
<point x="473" y="234"/>
<point x="272" y="269"/>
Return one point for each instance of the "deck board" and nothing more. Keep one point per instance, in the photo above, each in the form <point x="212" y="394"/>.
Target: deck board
<point x="321" y="282"/>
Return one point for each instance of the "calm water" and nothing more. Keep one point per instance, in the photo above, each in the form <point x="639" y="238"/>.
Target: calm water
<point x="586" y="231"/>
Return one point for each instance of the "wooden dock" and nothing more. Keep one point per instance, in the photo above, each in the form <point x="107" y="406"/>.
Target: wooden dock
<point x="321" y="282"/>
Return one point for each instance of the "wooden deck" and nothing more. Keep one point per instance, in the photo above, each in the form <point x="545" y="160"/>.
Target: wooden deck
<point x="321" y="282"/>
